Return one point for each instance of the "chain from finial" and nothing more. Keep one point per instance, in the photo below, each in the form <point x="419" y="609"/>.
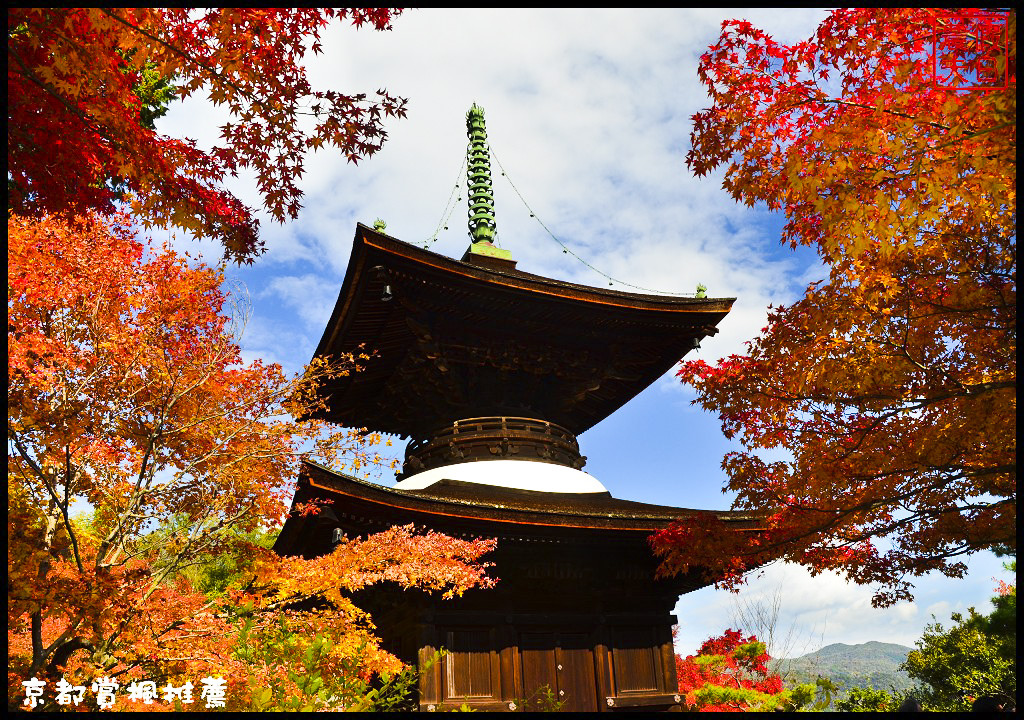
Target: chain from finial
<point x="482" y="225"/>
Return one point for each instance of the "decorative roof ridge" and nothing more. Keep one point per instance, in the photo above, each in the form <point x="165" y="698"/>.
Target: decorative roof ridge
<point x="517" y="274"/>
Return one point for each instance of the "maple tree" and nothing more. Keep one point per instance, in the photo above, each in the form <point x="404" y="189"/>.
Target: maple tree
<point x="85" y="84"/>
<point x="140" y="446"/>
<point x="890" y="386"/>
<point x="730" y="673"/>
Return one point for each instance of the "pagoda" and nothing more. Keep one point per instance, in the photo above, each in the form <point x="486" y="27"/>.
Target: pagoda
<point x="492" y="373"/>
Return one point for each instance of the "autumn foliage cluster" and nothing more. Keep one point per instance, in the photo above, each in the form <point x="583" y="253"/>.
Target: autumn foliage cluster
<point x="730" y="673"/>
<point x="877" y="413"/>
<point x="149" y="463"/>
<point x="128" y="398"/>
<point x="85" y="84"/>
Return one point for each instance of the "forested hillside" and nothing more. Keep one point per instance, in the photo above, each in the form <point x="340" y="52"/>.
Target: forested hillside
<point x="871" y="664"/>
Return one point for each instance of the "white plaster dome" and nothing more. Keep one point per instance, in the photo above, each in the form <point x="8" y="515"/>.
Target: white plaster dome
<point x="514" y="474"/>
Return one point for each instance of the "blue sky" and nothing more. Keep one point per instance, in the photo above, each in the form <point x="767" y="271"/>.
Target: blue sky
<point x="589" y="113"/>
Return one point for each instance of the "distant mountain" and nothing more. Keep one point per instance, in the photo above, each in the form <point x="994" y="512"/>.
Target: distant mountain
<point x="871" y="664"/>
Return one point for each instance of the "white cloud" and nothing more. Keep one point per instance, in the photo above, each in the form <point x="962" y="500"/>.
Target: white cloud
<point x="826" y="609"/>
<point x="943" y="608"/>
<point x="310" y="295"/>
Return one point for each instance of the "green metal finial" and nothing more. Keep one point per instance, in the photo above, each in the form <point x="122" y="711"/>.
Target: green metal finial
<point x="379" y="225"/>
<point x="702" y="290"/>
<point x="483" y="228"/>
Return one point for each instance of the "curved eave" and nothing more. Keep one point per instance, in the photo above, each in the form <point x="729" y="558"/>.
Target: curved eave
<point x="371" y="247"/>
<point x="566" y="513"/>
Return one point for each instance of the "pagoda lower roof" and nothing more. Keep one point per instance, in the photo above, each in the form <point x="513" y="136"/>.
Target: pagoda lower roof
<point x="516" y="519"/>
<point x="494" y="511"/>
<point x="452" y="339"/>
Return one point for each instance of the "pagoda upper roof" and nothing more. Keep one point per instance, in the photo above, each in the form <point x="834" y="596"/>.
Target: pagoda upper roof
<point x="453" y="339"/>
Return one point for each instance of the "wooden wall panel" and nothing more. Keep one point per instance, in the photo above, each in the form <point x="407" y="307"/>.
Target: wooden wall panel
<point x="539" y="666"/>
<point x="564" y="662"/>
<point x="610" y="667"/>
<point x="577" y="681"/>
<point x="636" y="661"/>
<point x="471" y="667"/>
